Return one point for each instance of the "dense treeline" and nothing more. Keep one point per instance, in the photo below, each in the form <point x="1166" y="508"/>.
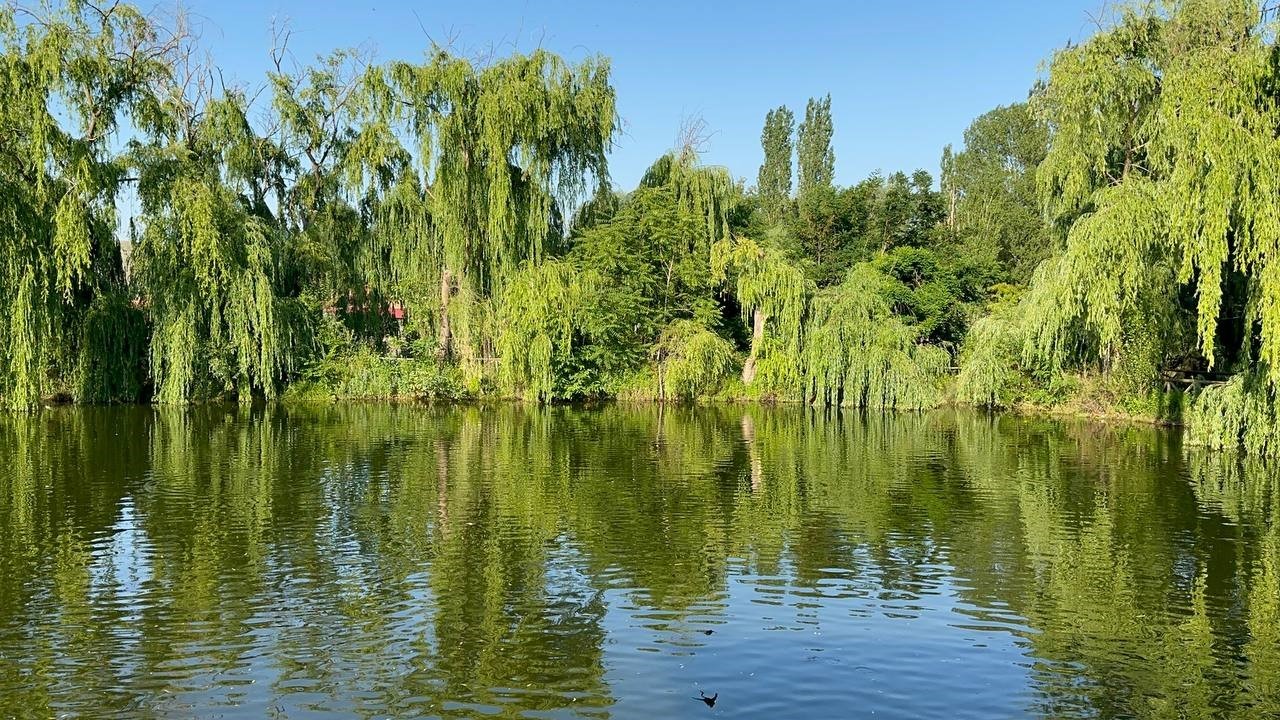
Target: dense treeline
<point x="448" y="228"/>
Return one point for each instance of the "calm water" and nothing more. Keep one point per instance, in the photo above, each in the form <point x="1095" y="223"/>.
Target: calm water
<point x="403" y="561"/>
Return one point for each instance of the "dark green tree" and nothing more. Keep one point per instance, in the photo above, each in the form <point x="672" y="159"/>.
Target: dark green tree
<point x="989" y="188"/>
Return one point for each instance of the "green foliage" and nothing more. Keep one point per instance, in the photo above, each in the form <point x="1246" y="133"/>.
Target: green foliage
<point x="366" y="375"/>
<point x="401" y="229"/>
<point x="774" y="179"/>
<point x="990" y="191"/>
<point x="498" y="146"/>
<point x="1157" y="165"/>
<point x="1159" y="179"/>
<point x="541" y="313"/>
<point x="764" y="281"/>
<point x="689" y="361"/>
<point x="68" y="76"/>
<point x="346" y="367"/>
<point x="574" y="327"/>
<point x="816" y="160"/>
<point x="1240" y="414"/>
<point x="207" y="268"/>
<point x="113" y="351"/>
<point x="598" y="210"/>
<point x="856" y="353"/>
<point x="703" y="192"/>
<point x="991" y="370"/>
<point x="927" y="292"/>
<point x="905" y="211"/>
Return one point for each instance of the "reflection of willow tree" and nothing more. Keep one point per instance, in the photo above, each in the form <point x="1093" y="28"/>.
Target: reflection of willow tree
<point x="515" y="626"/>
<point x="1247" y="492"/>
<point x="649" y="503"/>
<point x="850" y="491"/>
<point x="209" y="513"/>
<point x="326" y="585"/>
<point x="1081" y="531"/>
<point x="48" y="525"/>
<point x="1130" y="614"/>
<point x="411" y="560"/>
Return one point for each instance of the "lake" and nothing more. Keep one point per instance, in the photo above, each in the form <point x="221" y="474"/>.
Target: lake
<point x="507" y="561"/>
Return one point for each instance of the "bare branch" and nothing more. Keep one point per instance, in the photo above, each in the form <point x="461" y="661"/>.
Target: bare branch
<point x="694" y="136"/>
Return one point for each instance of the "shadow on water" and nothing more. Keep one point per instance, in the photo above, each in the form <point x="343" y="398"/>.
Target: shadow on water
<point x="370" y="560"/>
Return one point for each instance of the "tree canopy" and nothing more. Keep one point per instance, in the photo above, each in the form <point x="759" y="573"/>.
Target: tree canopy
<point x="449" y="226"/>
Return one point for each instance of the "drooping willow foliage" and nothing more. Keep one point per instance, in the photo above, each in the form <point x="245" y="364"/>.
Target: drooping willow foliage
<point x="501" y="150"/>
<point x="705" y="192"/>
<point x="423" y="206"/>
<point x="856" y="353"/>
<point x="691" y="361"/>
<point x="208" y="263"/>
<point x="406" y="184"/>
<point x="69" y="76"/>
<point x="773" y="295"/>
<point x="1161" y="176"/>
<point x="113" y="344"/>
<point x="991" y="361"/>
<point x="843" y="345"/>
<point x="428" y="216"/>
<point x="1240" y="413"/>
<point x="542" y="311"/>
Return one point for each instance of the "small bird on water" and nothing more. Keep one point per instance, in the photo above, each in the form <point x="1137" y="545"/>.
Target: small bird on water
<point x="710" y="701"/>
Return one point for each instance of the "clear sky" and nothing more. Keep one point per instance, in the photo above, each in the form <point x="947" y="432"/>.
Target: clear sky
<point x="905" y="77"/>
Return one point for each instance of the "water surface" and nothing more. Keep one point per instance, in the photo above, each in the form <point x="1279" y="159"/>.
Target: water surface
<point x="413" y="561"/>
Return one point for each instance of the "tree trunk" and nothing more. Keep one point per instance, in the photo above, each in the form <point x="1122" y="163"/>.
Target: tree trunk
<point x="749" y="439"/>
<point x="446" y="294"/>
<point x="757" y="336"/>
<point x="442" y="487"/>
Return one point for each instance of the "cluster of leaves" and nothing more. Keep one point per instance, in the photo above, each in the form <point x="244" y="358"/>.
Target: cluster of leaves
<point x="636" y="267"/>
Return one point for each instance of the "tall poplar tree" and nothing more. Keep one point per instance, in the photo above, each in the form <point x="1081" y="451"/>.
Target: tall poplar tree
<point x="774" y="178"/>
<point x="816" y="159"/>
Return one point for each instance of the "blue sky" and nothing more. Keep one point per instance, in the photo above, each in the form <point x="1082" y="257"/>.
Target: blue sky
<point x="905" y="77"/>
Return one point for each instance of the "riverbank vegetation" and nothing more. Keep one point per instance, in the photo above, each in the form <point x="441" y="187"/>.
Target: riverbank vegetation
<point x="448" y="228"/>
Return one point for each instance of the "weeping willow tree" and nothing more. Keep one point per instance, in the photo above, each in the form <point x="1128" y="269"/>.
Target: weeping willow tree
<point x="1114" y="270"/>
<point x="1161" y="175"/>
<point x="209" y="256"/>
<point x="691" y="361"/>
<point x="773" y="294"/>
<point x="991" y="359"/>
<point x="705" y="192"/>
<point x="857" y="353"/>
<point x="541" y="312"/>
<point x="843" y="345"/>
<point x="69" y="74"/>
<point x="350" y="195"/>
<point x="500" y="149"/>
